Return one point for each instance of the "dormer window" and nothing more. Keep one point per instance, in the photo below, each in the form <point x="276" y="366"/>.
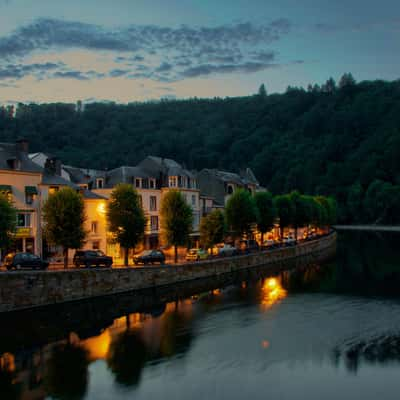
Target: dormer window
<point x="152" y="183"/>
<point x="173" y="181"/>
<point x="14" y="163"/>
<point x="229" y="189"/>
<point x="99" y="183"/>
<point x="138" y="183"/>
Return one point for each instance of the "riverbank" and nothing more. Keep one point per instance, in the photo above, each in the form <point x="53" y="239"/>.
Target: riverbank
<point x="28" y="289"/>
<point x="381" y="228"/>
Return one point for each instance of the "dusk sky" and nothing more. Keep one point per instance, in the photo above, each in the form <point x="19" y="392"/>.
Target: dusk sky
<point x="130" y="50"/>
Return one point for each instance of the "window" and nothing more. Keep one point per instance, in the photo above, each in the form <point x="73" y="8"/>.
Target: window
<point x="100" y="183"/>
<point x="230" y="189"/>
<point x="23" y="220"/>
<point x="153" y="203"/>
<point x="152" y="184"/>
<point x="53" y="189"/>
<point x="154" y="223"/>
<point x="94" y="227"/>
<point x="96" y="246"/>
<point x="29" y="198"/>
<point x="172" y="181"/>
<point x="193" y="200"/>
<point x="138" y="182"/>
<point x="145" y="183"/>
<point x="140" y="201"/>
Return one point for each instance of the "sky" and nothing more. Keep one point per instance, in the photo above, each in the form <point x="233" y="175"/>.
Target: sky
<point x="139" y="50"/>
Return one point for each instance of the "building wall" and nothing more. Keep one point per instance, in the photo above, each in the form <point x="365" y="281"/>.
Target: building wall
<point x="19" y="180"/>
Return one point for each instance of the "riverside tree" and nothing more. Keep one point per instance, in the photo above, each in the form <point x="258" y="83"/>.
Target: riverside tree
<point x="176" y="220"/>
<point x="212" y="229"/>
<point x="126" y="219"/>
<point x="7" y="222"/>
<point x="266" y="212"/>
<point x="285" y="212"/>
<point x="241" y="212"/>
<point x="63" y="215"/>
<point x="302" y="211"/>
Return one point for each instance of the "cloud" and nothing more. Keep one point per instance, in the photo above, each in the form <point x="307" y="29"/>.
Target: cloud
<point x="71" y="75"/>
<point x="18" y="71"/>
<point x="208" y="69"/>
<point x="147" y="51"/>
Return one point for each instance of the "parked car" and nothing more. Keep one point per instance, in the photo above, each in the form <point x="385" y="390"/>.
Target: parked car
<point x="149" y="257"/>
<point x="24" y="260"/>
<point x="227" y="250"/>
<point x="91" y="258"/>
<point x="248" y="246"/>
<point x="289" y="241"/>
<point x="196" y="255"/>
<point x="269" y="244"/>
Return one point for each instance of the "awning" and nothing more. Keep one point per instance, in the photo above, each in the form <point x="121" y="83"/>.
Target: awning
<point x="6" y="188"/>
<point x="31" y="190"/>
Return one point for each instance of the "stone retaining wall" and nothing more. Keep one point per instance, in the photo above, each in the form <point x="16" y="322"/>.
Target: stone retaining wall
<point x="21" y="290"/>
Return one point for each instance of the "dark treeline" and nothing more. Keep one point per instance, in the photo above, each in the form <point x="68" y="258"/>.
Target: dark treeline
<point x="340" y="140"/>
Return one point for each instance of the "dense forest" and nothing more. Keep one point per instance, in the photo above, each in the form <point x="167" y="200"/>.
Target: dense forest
<point x="340" y="139"/>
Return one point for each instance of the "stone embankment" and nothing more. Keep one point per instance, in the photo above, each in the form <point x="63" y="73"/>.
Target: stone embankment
<point x="27" y="289"/>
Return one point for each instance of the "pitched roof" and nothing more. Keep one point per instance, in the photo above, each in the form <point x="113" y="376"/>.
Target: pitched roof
<point x="10" y="153"/>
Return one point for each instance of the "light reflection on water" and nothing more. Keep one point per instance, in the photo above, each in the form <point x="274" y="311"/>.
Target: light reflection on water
<point x="297" y="335"/>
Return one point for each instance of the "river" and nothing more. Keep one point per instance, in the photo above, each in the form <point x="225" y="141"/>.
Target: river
<point x="329" y="331"/>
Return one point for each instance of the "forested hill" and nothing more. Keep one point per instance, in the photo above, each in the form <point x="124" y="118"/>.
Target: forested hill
<point x="326" y="140"/>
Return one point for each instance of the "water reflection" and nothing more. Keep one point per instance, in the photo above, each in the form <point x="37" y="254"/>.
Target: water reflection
<point x="272" y="292"/>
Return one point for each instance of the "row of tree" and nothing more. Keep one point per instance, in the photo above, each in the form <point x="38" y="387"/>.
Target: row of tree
<point x="64" y="217"/>
<point x="245" y="214"/>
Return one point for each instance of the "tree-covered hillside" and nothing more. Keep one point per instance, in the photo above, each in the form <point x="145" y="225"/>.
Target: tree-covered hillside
<point x="333" y="140"/>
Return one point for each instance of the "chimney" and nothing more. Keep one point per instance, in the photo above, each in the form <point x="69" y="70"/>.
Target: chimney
<point x="53" y="166"/>
<point x="22" y="146"/>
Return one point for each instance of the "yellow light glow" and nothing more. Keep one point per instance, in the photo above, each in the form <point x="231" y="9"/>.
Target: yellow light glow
<point x="98" y="346"/>
<point x="271" y="292"/>
<point x="101" y="208"/>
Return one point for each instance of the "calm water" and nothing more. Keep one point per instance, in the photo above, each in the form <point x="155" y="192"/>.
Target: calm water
<point x="327" y="332"/>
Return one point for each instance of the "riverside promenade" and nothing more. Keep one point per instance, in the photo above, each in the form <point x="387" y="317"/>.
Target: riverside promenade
<point x="29" y="289"/>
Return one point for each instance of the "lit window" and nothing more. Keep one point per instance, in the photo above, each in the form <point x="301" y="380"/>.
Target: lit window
<point x="154" y="222"/>
<point x="153" y="203"/>
<point x="94" y="227"/>
<point x="53" y="189"/>
<point x="96" y="245"/>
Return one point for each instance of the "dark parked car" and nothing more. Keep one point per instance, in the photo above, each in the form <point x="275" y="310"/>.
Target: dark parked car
<point x="248" y="246"/>
<point x="91" y="258"/>
<point x="24" y="260"/>
<point x="149" y="257"/>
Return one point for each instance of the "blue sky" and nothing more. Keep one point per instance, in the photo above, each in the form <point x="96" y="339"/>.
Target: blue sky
<point x="130" y="50"/>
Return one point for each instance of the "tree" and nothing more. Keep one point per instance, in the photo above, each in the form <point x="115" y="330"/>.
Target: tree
<point x="63" y="215"/>
<point x="329" y="86"/>
<point x="301" y="211"/>
<point x="126" y="219"/>
<point x="285" y="212"/>
<point x="262" y="92"/>
<point x="212" y="229"/>
<point x="347" y="80"/>
<point x="7" y="222"/>
<point x="241" y="212"/>
<point x="176" y="220"/>
<point x="266" y="212"/>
